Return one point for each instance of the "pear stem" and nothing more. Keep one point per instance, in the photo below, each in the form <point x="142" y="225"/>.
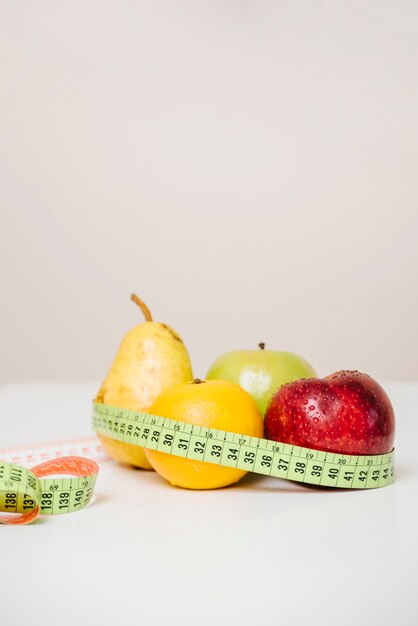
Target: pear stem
<point x="261" y="346"/>
<point x="143" y="307"/>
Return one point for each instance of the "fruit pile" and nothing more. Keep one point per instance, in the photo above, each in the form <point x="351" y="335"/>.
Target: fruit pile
<point x="255" y="393"/>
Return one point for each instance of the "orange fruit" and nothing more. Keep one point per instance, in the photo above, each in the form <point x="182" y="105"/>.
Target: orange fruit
<point x="215" y="404"/>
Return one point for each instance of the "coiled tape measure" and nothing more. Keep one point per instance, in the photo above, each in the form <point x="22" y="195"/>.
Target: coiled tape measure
<point x="31" y="493"/>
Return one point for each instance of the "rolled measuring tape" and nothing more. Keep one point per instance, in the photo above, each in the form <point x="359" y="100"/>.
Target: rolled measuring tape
<point x="253" y="454"/>
<point x="31" y="492"/>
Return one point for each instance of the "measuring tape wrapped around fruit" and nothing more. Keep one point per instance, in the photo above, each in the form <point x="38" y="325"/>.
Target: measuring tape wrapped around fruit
<point x="343" y="420"/>
<point x="197" y="445"/>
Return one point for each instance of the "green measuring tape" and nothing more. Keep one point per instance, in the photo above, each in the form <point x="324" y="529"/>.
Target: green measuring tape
<point x="43" y="489"/>
<point x="30" y="492"/>
<point x="253" y="454"/>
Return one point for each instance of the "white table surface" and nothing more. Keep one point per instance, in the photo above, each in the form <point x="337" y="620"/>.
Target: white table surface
<point x="264" y="552"/>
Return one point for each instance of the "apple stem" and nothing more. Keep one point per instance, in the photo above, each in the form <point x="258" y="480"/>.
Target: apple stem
<point x="198" y="381"/>
<point x="261" y="345"/>
<point x="143" y="307"/>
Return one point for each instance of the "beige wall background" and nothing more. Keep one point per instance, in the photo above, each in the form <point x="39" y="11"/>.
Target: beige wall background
<point x="248" y="168"/>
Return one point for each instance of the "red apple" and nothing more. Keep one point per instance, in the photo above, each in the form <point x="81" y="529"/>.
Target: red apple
<point x="347" y="413"/>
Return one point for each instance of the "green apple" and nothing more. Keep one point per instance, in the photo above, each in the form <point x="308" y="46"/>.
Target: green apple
<point x="260" y="372"/>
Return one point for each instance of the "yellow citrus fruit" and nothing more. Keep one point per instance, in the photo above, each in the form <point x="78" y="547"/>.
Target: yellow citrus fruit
<point x="215" y="404"/>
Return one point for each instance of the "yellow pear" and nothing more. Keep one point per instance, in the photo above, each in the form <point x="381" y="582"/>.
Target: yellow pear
<point x="151" y="358"/>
